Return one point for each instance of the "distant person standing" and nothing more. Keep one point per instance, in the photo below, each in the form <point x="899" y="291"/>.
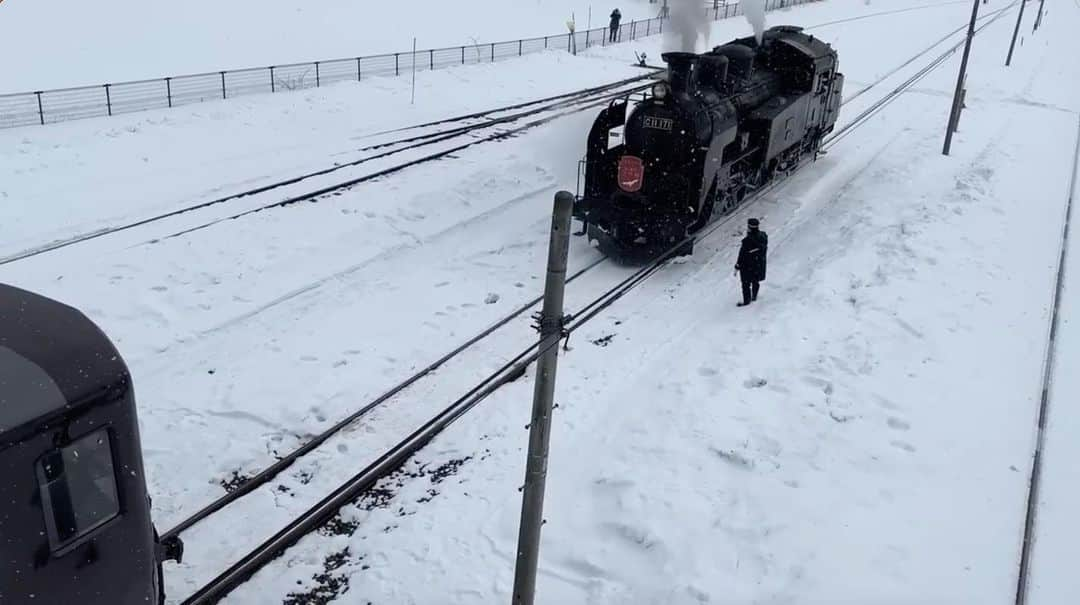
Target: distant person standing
<point x="751" y="262"/>
<point x="616" y="16"/>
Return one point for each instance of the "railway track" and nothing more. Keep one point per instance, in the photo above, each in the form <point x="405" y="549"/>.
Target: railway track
<point x="461" y="126"/>
<point x="374" y="160"/>
<point x="1032" y="497"/>
<point x="395" y="456"/>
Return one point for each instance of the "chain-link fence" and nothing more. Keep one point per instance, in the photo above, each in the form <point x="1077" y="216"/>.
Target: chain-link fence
<point x="48" y="106"/>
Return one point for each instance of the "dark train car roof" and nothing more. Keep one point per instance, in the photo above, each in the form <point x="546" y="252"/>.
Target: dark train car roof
<point x="53" y="359"/>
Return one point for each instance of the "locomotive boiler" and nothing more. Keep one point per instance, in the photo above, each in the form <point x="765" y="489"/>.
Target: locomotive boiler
<point x="720" y="126"/>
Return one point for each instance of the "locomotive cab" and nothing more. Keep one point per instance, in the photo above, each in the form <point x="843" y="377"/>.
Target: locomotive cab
<point x="75" y="521"/>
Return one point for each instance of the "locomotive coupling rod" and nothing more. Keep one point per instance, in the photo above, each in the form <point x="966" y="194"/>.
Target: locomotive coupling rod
<point x="551" y="330"/>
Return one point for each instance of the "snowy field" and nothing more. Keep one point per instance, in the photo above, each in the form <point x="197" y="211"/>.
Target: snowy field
<point x="827" y="445"/>
<point x="830" y="446"/>
<point x="97" y="42"/>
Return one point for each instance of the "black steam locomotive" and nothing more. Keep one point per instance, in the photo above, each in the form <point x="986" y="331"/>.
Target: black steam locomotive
<point x="721" y="126"/>
<point x="74" y="514"/>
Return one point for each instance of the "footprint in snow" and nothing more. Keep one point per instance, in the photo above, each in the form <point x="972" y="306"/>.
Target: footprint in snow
<point x="897" y="424"/>
<point x="734" y="458"/>
<point x="907" y="447"/>
<point x="755" y="383"/>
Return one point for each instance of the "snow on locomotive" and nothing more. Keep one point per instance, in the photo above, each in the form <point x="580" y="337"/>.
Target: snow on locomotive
<point x="723" y="124"/>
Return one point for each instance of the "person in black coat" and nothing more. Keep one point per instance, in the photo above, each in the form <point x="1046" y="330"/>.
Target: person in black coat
<point x="616" y="17"/>
<point x="751" y="262"/>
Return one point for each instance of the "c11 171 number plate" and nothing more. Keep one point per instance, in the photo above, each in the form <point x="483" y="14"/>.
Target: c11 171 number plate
<point x="659" y="123"/>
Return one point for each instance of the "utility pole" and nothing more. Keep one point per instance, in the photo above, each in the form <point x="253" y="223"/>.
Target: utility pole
<point x="1016" y="31"/>
<point x="954" y="114"/>
<point x="551" y="329"/>
<point x="1038" y="19"/>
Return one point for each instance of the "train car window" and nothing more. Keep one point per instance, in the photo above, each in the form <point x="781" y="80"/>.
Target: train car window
<point x="78" y="488"/>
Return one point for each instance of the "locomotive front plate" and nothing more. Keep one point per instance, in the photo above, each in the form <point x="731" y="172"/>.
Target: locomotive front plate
<point x="659" y="123"/>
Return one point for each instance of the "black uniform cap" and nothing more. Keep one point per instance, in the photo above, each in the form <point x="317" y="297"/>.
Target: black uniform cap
<point x="753" y="223"/>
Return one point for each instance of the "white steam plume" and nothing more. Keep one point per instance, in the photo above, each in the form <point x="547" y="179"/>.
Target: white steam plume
<point x="689" y="25"/>
<point x="755" y="14"/>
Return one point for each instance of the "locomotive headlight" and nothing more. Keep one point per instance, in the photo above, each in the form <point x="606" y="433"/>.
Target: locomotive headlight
<point x="660" y="90"/>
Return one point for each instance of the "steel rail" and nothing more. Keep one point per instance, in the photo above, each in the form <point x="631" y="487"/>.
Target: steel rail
<point x="554" y="102"/>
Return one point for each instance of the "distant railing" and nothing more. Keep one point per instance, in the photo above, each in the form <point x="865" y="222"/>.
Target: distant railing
<point x="58" y="105"/>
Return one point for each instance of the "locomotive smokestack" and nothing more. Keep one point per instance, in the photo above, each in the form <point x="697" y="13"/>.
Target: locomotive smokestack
<point x="681" y="67"/>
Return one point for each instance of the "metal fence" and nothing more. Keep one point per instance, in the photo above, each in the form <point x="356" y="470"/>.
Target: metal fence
<point x="49" y="106"/>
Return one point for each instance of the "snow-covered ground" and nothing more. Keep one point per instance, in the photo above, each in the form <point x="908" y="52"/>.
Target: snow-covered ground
<point x="145" y="162"/>
<point x="827" y="445"/>
<point x="833" y="443"/>
<point x="71" y="43"/>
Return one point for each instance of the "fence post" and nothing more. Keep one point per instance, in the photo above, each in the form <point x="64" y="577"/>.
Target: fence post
<point x="519" y="48"/>
<point x="431" y="58"/>
<point x="168" y="90"/>
<point x="568" y="39"/>
<point x="661" y="25"/>
<point x="108" y="99"/>
<point x="648" y="28"/>
<point x="397" y="64"/>
<point x="358" y="76"/>
<point x="552" y="321"/>
<point x="492" y="52"/>
<point x="545" y="42"/>
<point x="40" y="109"/>
<point x="633" y="29"/>
<point x="318" y="79"/>
<point x="273" y="87"/>
<point x="223" y="85"/>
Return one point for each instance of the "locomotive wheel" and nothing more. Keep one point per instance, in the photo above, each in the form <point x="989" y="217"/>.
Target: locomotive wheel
<point x="729" y="202"/>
